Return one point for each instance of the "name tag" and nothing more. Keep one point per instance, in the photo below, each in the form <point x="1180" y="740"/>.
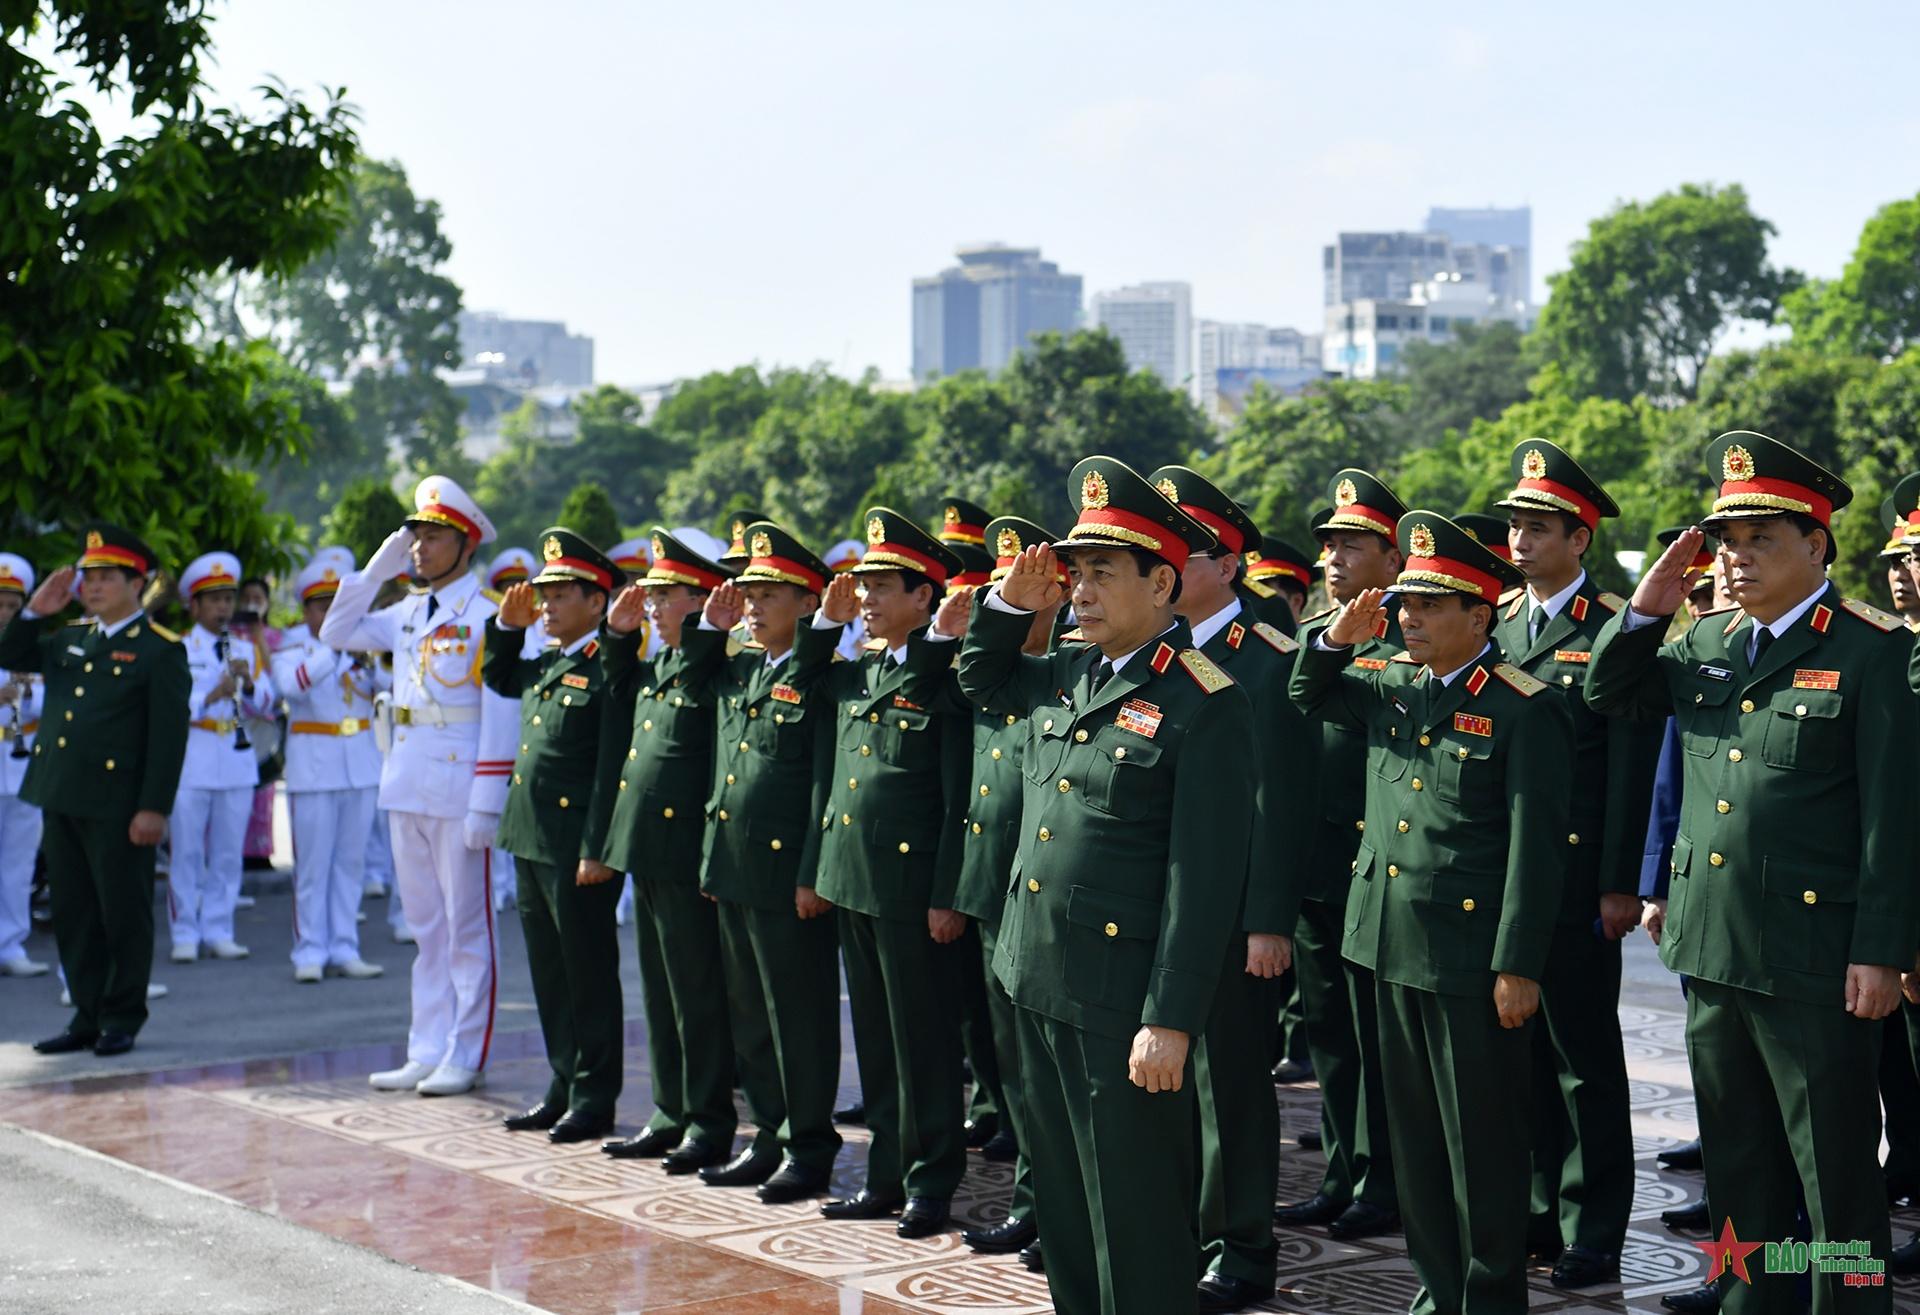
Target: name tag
<point x="1140" y="717"/>
<point x="1469" y="724"/>
<point x="784" y="694"/>
<point x="1804" y="679"/>
<point x="574" y="680"/>
<point x="1399" y="707"/>
<point x="1571" y="655"/>
<point x="1715" y="673"/>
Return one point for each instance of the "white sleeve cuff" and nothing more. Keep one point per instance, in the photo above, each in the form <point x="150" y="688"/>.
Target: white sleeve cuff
<point x="999" y="604"/>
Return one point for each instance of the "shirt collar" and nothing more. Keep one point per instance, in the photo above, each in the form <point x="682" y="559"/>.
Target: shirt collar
<point x="1204" y="631"/>
<point x="772" y="663"/>
<point x="578" y="644"/>
<point x="455" y="596"/>
<point x="121" y="624"/>
<point x="1556" y="604"/>
<point x="1125" y="658"/>
<point x="1449" y="677"/>
<point x="1784" y="623"/>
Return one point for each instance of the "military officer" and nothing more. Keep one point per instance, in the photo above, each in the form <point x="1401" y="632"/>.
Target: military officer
<point x="231" y="684"/>
<point x="103" y="776"/>
<point x="759" y="860"/>
<point x="553" y="824"/>
<point x="1132" y="857"/>
<point x="1901" y="516"/>
<point x="661" y="728"/>
<point x="21" y="697"/>
<point x="738" y="550"/>
<point x="332" y="777"/>
<point x="1583" y="1141"/>
<point x="1357" y="1196"/>
<point x="1284" y="569"/>
<point x="1490" y="532"/>
<point x="445" y="778"/>
<point x="1455" y="889"/>
<point x="1791" y="907"/>
<point x="511" y="566"/>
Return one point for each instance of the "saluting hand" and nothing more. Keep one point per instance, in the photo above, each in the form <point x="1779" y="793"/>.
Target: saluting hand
<point x="1359" y="620"/>
<point x="1664" y="587"/>
<point x="1515" y="999"/>
<point x="1159" y="1058"/>
<point x="518" y="607"/>
<point x="1034" y="580"/>
<point x="951" y="619"/>
<point x="724" y="607"/>
<point x="629" y="610"/>
<point x="54" y="593"/>
<point x="840" y="604"/>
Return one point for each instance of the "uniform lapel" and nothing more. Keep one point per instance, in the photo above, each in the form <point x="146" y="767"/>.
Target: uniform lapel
<point x="1554" y="632"/>
<point x="1143" y="666"/>
<point x="1799" y="639"/>
<point x="1444" y="700"/>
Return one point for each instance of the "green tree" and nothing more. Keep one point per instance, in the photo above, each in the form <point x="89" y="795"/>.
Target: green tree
<point x="367" y="512"/>
<point x="588" y="512"/>
<point x="1652" y="287"/>
<point x="1873" y="308"/>
<point x="108" y="406"/>
<point x="1478" y="375"/>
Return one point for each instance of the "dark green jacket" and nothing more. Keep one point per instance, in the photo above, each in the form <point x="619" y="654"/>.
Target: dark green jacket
<point x="1458" y="873"/>
<point x="1613" y="758"/>
<point x="1334" y="804"/>
<point x="992" y="820"/>
<point x="1134" y="835"/>
<point x="659" y="728"/>
<point x="113" y="730"/>
<point x="551" y="814"/>
<point x="1795" y="853"/>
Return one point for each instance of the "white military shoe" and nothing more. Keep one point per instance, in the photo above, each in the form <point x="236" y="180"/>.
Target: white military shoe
<point x="405" y="1078"/>
<point x="307" y="972"/>
<point x="450" y="1080"/>
<point x="359" y="969"/>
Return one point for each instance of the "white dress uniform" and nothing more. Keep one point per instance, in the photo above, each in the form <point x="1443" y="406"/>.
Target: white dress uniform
<point x="853" y="635"/>
<point x="208" y="827"/>
<point x="332" y="776"/>
<point x="444" y="784"/>
<point x="19" y="822"/>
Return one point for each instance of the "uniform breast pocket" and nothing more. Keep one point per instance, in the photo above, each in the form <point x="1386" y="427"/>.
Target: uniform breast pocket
<point x="1122" y="777"/>
<point x="780" y="731"/>
<point x="907" y="738"/>
<point x="1803" y="730"/>
<point x="1699" y="705"/>
<point x="1678" y="884"/>
<point x="1465" y="772"/>
<point x="1388" y="758"/>
<point x="1046" y="745"/>
<point x="1110" y="940"/>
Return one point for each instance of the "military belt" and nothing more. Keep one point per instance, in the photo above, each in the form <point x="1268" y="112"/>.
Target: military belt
<point x="345" y="726"/>
<point x="6" y="730"/>
<point x="435" y="716"/>
<point x="219" y="727"/>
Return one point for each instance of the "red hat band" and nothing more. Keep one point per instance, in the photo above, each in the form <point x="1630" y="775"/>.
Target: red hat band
<point x="1775" y="495"/>
<point x="1454" y="575"/>
<point x="1271" y="566"/>
<point x="1355" y="516"/>
<point x="112" y="556"/>
<point x="900" y="557"/>
<point x="579" y="569"/>
<point x="438" y="513"/>
<point x="1111" y="522"/>
<point x="668" y="571"/>
<point x="508" y="575"/>
<point x="786" y="571"/>
<point x="1223" y="529"/>
<point x="1563" y="498"/>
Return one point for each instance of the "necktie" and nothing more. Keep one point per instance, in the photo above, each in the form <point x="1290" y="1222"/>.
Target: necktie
<point x="1102" y="674"/>
<point x="886" y="661"/>
<point x="433" y="605"/>
<point x="1536" y="621"/>
<point x="1761" y="638"/>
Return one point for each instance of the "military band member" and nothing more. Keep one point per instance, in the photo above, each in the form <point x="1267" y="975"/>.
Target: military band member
<point x="332" y="777"/>
<point x="445" y="778"/>
<point x="554" y="825"/>
<point x="1455" y="889"/>
<point x="21" y="696"/>
<point x="1791" y="907"/>
<point x="231" y="684"/>
<point x="116" y="689"/>
<point x="1131" y="861"/>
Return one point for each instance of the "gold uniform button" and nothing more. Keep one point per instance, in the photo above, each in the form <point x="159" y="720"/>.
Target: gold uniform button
<point x="109" y="764"/>
<point x="536" y="719"/>
<point x="1723" y="807"/>
<point x="1080" y="737"/>
<point x="1011" y="719"/>
<point x="69" y="714"/>
<point x="1360" y="825"/>
<point x="79" y="692"/>
<point x="566" y="701"/>
<point x="516" y="778"/>
<point x="547" y="695"/>
<point x="905" y="847"/>
<point x="1734" y="755"/>
<point x="1809" y="897"/>
<point x="1045" y="835"/>
<point x="1425" y="740"/>
<point x="779" y="719"/>
<point x="1746" y="705"/>
<point x="1566" y="680"/>
<point x="846" y="819"/>
<point x="751" y="712"/>
<point x="729" y="778"/>
<point x="1066" y="786"/>
<point x="976" y="828"/>
<point x="1699" y="698"/>
<point x="874" y="717"/>
<point x="853" y="783"/>
<point x="1463" y="755"/>
<point x="623" y="783"/>
<point x="743" y="746"/>
<point x="116" y="671"/>
<point x="646" y="725"/>
<point x="667" y="813"/>
<point x="1467" y="905"/>
<point x="985" y="791"/>
<point x="1799" y="709"/>
<point x="631" y="753"/>
<point x="563" y="801"/>
<point x="1113" y="929"/>
<point x="723" y="815"/>
<point x="1402" y="827"/>
<point x="1573" y="838"/>
<point x="1119" y="755"/>
<point x="1393" y="869"/>
<point x="1718" y="860"/>
<point x="87" y="667"/>
<point x="866" y="751"/>
<point x="1047" y="725"/>
<point x="676" y="700"/>
<point x="523" y="749"/>
<point x="996" y="755"/>
<point x="904" y="723"/>
<point x="1033" y="886"/>
<point x="773" y="844"/>
<point x="1418" y="784"/>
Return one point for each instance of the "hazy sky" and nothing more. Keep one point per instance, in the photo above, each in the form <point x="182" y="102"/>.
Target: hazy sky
<point x="698" y="186"/>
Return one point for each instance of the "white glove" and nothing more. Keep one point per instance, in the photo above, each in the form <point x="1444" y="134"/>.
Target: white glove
<point x="393" y="556"/>
<point x="481" y="829"/>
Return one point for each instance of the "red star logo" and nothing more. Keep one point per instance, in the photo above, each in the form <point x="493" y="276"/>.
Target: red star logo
<point x="1729" y="1253"/>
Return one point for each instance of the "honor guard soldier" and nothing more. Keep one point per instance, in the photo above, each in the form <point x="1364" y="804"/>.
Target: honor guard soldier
<point x="1791" y="906"/>
<point x="554" y="824"/>
<point x="1132" y="858"/>
<point x="1357" y="1196"/>
<point x="1285" y="570"/>
<point x="231" y="685"/>
<point x="1582" y="1133"/>
<point x="660" y="728"/>
<point x="1239" y="1124"/>
<point x="1455" y="889"/>
<point x="889" y="863"/>
<point x="760" y="858"/>
<point x="332" y="776"/>
<point x="445" y="778"/>
<point x="103" y="775"/>
<point x="21" y="696"/>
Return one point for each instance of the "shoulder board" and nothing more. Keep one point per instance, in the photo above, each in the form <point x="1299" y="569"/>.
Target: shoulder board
<point x="83" y="621"/>
<point x="1273" y="636"/>
<point x="493" y="596"/>
<point x="1510" y="596"/>
<point x="163" y="632"/>
<point x="1205" y="674"/>
<point x="1322" y="613"/>
<point x="873" y="646"/>
<point x="1716" y="611"/>
<point x="1519" y="679"/>
<point x="1733" y="622"/>
<point x="1259" y="589"/>
<point x="1073" y="637"/>
<point x="734" y="646"/>
<point x="1873" y="616"/>
<point x="1406" y="657"/>
<point x="1612" y="602"/>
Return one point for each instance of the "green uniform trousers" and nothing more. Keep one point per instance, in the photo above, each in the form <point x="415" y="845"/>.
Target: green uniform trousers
<point x="1112" y="1174"/>
<point x="689" y="1046"/>
<point x="1291" y="1042"/>
<point x="1343" y="1038"/>
<point x="1006" y="1046"/>
<point x="1582" y="1127"/>
<point x="1239" y="1124"/>
<point x="573" y="954"/>
<point x="1789" y="1105"/>
<point x="101" y="888"/>
<point x="1457" y="1109"/>
<point x="783" y="1001"/>
<point x="976" y="1031"/>
<point x="906" y="1037"/>
<point x="1900" y="1097"/>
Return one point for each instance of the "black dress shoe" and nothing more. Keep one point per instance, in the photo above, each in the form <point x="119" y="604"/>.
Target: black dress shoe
<point x="980" y="1132"/>
<point x="1005" y="1236"/>
<point x="1684" y="1156"/>
<point x="1583" y="1267"/>
<point x="747" y="1169"/>
<point x="1030" y="1257"/>
<point x="1310" y="1140"/>
<point x="1363" y="1219"/>
<point x="1289" y="1071"/>
<point x="649" y="1145"/>
<point x="1000" y="1147"/>
<point x="113" y="1043"/>
<point x="692" y="1155"/>
<point x="854" y="1114"/>
<point x="64" y="1044"/>
<point x="577" y="1127"/>
<point x="538" y="1119"/>
<point x="923" y="1217"/>
<point x="1696" y="1301"/>
<point x="1222" y="1292"/>
<point x="863" y="1204"/>
<point x="792" y="1183"/>
<point x="1316" y="1209"/>
<point x="1689" y="1218"/>
<point x="1905" y="1258"/>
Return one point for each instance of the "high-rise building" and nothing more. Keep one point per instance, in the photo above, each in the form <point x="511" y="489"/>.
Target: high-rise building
<point x="1154" y="323"/>
<point x="1366" y="337"/>
<point x="1382" y="265"/>
<point x="1284" y="359"/>
<point x="1494" y="228"/>
<point x="525" y="353"/>
<point x="977" y="314"/>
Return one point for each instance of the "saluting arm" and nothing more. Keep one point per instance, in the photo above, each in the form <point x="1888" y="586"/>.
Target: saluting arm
<point x="351" y="626"/>
<point x="1626" y="677"/>
<point x="502" y="669"/>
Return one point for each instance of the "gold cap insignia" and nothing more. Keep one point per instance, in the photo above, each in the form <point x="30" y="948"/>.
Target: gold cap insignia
<point x="1420" y="540"/>
<point x="552" y="550"/>
<point x="94" y="540"/>
<point x="659" y="548"/>
<point x="1093" y="491"/>
<point x="1345" y="494"/>
<point x="1007" y="542"/>
<point x="1534" y="464"/>
<point x="1736" y="463"/>
<point x="763" y="544"/>
<point x="329" y="574"/>
<point x="951" y="516"/>
<point x="1469" y="532"/>
<point x="1169" y="490"/>
<point x="432" y="493"/>
<point x="739" y="533"/>
<point x="876" y="530"/>
<point x="1252" y="558"/>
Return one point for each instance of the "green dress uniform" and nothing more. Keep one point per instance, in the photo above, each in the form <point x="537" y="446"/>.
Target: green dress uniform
<point x="113" y="736"/>
<point x="1582" y="1127"/>
<point x="763" y="807"/>
<point x="1337" y="994"/>
<point x="1457" y="879"/>
<point x="1793" y="860"/>
<point x="660" y="735"/>
<point x="1131" y="862"/>
<point x="552" y="820"/>
<point x="887" y="856"/>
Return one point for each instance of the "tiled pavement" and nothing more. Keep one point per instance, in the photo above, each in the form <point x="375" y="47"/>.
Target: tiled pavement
<point x="439" y="1185"/>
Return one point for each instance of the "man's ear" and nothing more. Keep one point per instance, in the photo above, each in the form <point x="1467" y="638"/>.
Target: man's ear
<point x="1163" y="584"/>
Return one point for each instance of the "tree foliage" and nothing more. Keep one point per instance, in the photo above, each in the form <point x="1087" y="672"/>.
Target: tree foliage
<point x="367" y="512"/>
<point x="588" y="512"/>
<point x="1873" y="308"/>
